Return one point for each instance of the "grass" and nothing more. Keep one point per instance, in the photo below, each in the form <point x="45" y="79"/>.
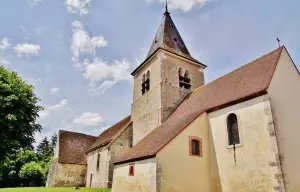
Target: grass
<point x="58" y="189"/>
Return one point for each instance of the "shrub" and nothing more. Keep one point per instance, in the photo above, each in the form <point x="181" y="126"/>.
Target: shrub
<point x="32" y="174"/>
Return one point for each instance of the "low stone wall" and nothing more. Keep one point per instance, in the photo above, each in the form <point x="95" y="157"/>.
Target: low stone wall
<point x="66" y="175"/>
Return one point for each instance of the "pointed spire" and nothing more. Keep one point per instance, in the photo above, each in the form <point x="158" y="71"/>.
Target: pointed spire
<point x="168" y="38"/>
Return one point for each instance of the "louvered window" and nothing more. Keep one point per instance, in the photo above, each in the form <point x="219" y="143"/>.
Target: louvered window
<point x="184" y="79"/>
<point x="146" y="82"/>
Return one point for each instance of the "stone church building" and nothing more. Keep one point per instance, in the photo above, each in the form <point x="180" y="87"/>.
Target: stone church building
<point x="238" y="133"/>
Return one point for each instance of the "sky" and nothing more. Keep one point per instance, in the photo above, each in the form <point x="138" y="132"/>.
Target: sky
<point x="79" y="53"/>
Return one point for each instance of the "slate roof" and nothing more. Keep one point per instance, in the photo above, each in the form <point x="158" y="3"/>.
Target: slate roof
<point x="72" y="146"/>
<point x="168" y="38"/>
<point x="246" y="82"/>
<point x="108" y="135"/>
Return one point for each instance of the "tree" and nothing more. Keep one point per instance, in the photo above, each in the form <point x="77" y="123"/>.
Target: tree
<point x="53" y="142"/>
<point x="18" y="113"/>
<point x="44" y="150"/>
<point x="11" y="166"/>
<point x="32" y="175"/>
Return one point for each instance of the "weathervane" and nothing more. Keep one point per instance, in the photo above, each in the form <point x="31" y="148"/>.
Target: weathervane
<point x="278" y="41"/>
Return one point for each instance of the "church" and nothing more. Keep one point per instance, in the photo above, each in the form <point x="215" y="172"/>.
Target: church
<point x="238" y="133"/>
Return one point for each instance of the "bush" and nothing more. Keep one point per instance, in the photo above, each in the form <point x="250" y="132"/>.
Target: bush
<point x="32" y="174"/>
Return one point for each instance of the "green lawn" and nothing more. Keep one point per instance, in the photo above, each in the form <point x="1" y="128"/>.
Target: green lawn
<point x="58" y="189"/>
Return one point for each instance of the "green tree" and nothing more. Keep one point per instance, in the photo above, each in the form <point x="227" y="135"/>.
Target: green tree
<point x="53" y="142"/>
<point x="11" y="166"/>
<point x="32" y="175"/>
<point x="44" y="150"/>
<point x="18" y="113"/>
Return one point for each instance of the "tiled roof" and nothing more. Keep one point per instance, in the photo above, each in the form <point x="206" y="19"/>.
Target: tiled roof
<point x="72" y="147"/>
<point x="243" y="83"/>
<point x="169" y="39"/>
<point x="108" y="135"/>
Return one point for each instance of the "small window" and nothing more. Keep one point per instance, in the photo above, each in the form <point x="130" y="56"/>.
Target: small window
<point x="146" y="82"/>
<point x="98" y="161"/>
<point x="131" y="170"/>
<point x="195" y="146"/>
<point x="233" y="130"/>
<point x="184" y="80"/>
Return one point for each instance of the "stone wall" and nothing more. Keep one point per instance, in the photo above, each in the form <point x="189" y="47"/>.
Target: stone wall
<point x="145" y="108"/>
<point x="102" y="178"/>
<point x="251" y="166"/>
<point x="66" y="175"/>
<point x="171" y="93"/>
<point x="284" y="92"/>
<point x="151" y="109"/>
<point x="143" y="180"/>
<point x="121" y="144"/>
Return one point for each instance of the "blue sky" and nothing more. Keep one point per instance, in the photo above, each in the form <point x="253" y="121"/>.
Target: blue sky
<point x="79" y="53"/>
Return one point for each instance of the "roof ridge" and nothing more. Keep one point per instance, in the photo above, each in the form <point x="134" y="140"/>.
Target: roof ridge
<point x="244" y="83"/>
<point x="114" y="125"/>
<point x="63" y="130"/>
<point x="196" y="90"/>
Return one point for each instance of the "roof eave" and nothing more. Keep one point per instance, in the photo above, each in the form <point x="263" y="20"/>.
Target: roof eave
<point x="150" y="56"/>
<point x="99" y="146"/>
<point x="134" y="159"/>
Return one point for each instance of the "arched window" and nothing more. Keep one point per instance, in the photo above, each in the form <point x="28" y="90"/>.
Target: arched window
<point x="148" y="75"/>
<point x="233" y="130"/>
<point x="146" y="82"/>
<point x="180" y="72"/>
<point x="144" y="78"/>
<point x="187" y="74"/>
<point x="195" y="146"/>
<point x="184" y="79"/>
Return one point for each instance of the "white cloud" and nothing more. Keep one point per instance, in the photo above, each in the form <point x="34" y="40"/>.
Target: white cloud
<point x="106" y="85"/>
<point x="4" y="44"/>
<point x="54" y="90"/>
<point x="83" y="43"/>
<point x="48" y="110"/>
<point x="89" y="118"/>
<point x="78" y="6"/>
<point x="107" y="73"/>
<point x="4" y="62"/>
<point x="34" y="2"/>
<point x="185" y="5"/>
<point x="27" y="49"/>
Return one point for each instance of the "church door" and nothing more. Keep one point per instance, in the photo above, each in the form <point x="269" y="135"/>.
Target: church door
<point x="91" y="179"/>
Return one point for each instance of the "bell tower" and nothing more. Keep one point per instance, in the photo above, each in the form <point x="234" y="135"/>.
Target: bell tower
<point x="161" y="82"/>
